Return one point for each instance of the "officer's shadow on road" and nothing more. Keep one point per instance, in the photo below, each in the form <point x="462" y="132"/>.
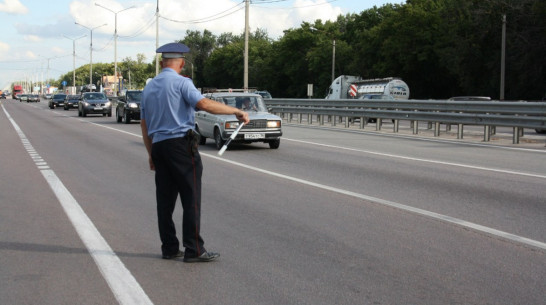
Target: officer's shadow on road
<point x="33" y="247"/>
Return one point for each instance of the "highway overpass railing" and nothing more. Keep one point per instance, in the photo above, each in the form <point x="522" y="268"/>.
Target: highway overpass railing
<point x="515" y="114"/>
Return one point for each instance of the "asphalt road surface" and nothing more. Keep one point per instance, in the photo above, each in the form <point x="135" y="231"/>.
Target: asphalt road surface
<point x="331" y="217"/>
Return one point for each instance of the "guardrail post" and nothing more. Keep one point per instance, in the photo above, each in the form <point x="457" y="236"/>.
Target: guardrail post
<point x="299" y="118"/>
<point x="436" y="129"/>
<point x="459" y="131"/>
<point x="321" y="119"/>
<point x="429" y="125"/>
<point x="362" y="122"/>
<point x="378" y="123"/>
<point x="309" y="119"/>
<point x="415" y="127"/>
<point x="395" y="126"/>
<point x="333" y="121"/>
<point x="347" y="122"/>
<point x="486" y="133"/>
<point x="515" y="135"/>
<point x="448" y="127"/>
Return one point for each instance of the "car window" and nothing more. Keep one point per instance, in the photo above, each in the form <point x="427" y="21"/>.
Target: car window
<point x="95" y="96"/>
<point x="134" y="96"/>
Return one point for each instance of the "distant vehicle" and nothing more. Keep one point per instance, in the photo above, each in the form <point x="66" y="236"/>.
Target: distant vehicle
<point x="33" y="98"/>
<point x="47" y="96"/>
<point x="89" y="88"/>
<point x="71" y="101"/>
<point x="349" y="87"/>
<point x="263" y="126"/>
<point x="22" y="97"/>
<point x="16" y="90"/>
<point x="57" y="100"/>
<point x="264" y="94"/>
<point x="469" y="98"/>
<point x="2" y="95"/>
<point x="94" y="103"/>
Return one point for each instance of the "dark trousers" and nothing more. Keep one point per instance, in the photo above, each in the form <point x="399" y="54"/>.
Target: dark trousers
<point x="178" y="171"/>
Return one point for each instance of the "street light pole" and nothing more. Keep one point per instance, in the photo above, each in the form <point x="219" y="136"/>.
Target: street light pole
<point x="73" y="57"/>
<point x="90" y="51"/>
<point x="115" y="38"/>
<point x="333" y="51"/>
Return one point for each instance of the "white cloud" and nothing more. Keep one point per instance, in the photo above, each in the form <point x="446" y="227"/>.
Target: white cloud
<point x="32" y="38"/>
<point x="13" y="7"/>
<point x="4" y="47"/>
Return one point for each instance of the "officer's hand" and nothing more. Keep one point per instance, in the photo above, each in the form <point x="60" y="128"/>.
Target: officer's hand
<point x="152" y="166"/>
<point x="242" y="117"/>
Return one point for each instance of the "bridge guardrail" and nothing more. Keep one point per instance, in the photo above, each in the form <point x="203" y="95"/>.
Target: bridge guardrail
<point x="515" y="114"/>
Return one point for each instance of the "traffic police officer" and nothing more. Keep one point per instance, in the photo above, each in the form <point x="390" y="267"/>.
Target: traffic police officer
<point x="167" y="122"/>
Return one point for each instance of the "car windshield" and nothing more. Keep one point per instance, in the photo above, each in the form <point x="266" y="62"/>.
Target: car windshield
<point x="73" y="97"/>
<point x="59" y="96"/>
<point x="246" y="103"/>
<point x="134" y="96"/>
<point x="95" y="96"/>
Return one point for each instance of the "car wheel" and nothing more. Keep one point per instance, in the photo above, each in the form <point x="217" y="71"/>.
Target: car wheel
<point x="275" y="144"/>
<point x="79" y="112"/>
<point x="83" y="113"/>
<point x="126" y="118"/>
<point x="118" y="118"/>
<point x="110" y="114"/>
<point x="218" y="139"/>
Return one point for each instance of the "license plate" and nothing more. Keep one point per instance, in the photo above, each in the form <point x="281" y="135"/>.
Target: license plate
<point x="254" y="136"/>
<point x="97" y="108"/>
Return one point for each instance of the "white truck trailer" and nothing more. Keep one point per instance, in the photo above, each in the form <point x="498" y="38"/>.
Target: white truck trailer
<point x="349" y="87"/>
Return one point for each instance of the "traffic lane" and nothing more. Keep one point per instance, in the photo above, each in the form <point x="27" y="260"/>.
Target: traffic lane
<point x="42" y="258"/>
<point x="302" y="245"/>
<point x="132" y="218"/>
<point x="506" y="202"/>
<point x="458" y="152"/>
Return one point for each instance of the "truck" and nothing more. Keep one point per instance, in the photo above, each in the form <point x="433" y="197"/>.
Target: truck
<point x="17" y="89"/>
<point x="354" y="87"/>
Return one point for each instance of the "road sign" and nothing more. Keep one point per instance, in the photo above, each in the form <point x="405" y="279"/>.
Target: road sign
<point x="63" y="83"/>
<point x="352" y="90"/>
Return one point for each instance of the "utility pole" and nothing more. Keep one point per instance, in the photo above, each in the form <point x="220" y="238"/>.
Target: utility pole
<point x="90" y="51"/>
<point x="157" y="38"/>
<point x="503" y="57"/>
<point x="73" y="58"/>
<point x="115" y="39"/>
<point x="245" y="78"/>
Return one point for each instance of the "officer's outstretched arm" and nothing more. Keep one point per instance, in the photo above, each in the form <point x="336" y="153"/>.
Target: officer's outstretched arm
<point x="214" y="107"/>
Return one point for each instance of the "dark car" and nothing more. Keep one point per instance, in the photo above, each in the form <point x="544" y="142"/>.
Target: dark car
<point x="57" y="100"/>
<point x="94" y="103"/>
<point x="33" y="98"/>
<point x="71" y="102"/>
<point x="2" y="95"/>
<point x="128" y="107"/>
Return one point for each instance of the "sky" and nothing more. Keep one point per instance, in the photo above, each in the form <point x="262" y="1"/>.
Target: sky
<point x="38" y="37"/>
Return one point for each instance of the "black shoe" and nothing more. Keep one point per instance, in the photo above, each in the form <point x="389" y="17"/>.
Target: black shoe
<point x="205" y="257"/>
<point x="173" y="256"/>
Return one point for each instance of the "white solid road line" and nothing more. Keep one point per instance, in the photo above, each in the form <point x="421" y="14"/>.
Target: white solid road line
<point x="120" y="280"/>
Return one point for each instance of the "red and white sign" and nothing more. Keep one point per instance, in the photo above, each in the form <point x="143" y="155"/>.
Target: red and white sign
<point x="352" y="90"/>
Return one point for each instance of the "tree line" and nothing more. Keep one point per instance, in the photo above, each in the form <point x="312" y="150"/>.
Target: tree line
<point x="440" y="48"/>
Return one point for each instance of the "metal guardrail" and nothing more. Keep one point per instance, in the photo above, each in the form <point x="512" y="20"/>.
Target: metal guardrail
<point x="518" y="115"/>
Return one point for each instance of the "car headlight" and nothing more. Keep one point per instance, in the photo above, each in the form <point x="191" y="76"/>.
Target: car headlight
<point x="107" y="104"/>
<point x="273" y="124"/>
<point x="85" y="104"/>
<point x="133" y="105"/>
<point x="232" y="125"/>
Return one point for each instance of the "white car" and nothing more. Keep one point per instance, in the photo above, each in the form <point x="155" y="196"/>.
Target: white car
<point x="263" y="126"/>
